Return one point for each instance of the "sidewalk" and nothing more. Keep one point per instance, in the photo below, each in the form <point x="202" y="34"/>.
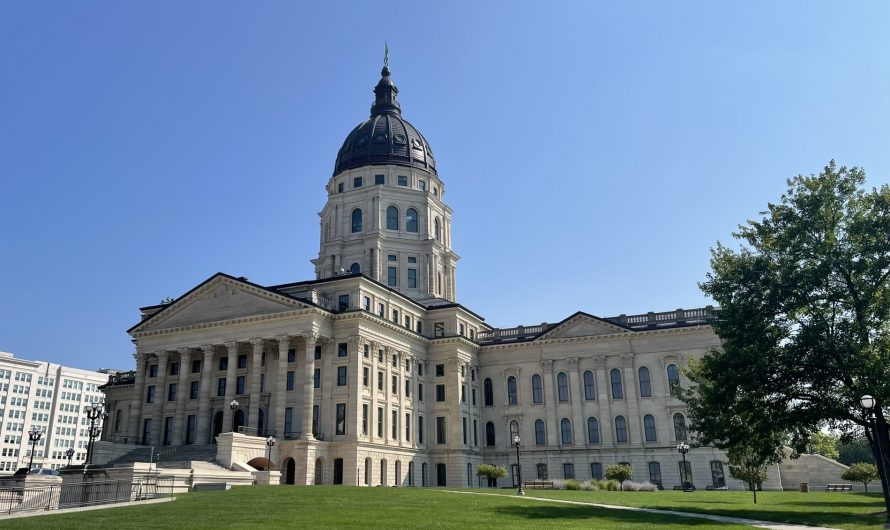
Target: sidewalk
<point x="4" y="517"/>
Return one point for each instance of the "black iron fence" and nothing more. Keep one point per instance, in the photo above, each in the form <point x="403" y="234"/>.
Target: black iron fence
<point x="60" y="496"/>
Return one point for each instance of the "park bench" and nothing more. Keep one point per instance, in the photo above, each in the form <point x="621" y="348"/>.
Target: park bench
<point x="711" y="487"/>
<point x="539" y="485"/>
<point x="838" y="487"/>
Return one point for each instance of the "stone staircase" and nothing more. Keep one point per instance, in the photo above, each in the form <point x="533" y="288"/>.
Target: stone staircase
<point x="180" y="456"/>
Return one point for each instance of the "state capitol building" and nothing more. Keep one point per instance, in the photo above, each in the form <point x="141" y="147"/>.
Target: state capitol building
<point x="374" y="374"/>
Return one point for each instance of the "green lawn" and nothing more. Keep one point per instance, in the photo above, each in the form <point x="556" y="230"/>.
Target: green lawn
<point x="340" y="506"/>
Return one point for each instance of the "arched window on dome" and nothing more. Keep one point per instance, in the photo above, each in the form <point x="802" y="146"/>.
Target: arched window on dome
<point x="356" y="220"/>
<point x="437" y="230"/>
<point x="411" y="220"/>
<point x="355" y="268"/>
<point x="392" y="218"/>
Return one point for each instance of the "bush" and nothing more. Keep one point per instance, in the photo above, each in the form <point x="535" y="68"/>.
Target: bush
<point x="589" y="485"/>
<point x="639" y="486"/>
<point x="559" y="484"/>
<point x="573" y="485"/>
<point x="608" y="485"/>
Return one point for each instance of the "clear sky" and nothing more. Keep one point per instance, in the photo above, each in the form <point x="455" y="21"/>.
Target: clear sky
<point x="593" y="151"/>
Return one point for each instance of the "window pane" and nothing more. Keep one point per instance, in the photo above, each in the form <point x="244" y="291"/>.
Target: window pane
<point x="512" y="398"/>
<point x="356" y="220"/>
<point x="593" y="431"/>
<point x="411" y="220"/>
<point x="620" y="429"/>
<point x="392" y="218"/>
<point x="615" y="377"/>
<point x="562" y="382"/>
<point x="645" y="384"/>
<point x="537" y="390"/>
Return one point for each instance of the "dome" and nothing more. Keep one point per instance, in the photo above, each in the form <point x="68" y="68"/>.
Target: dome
<point x="385" y="137"/>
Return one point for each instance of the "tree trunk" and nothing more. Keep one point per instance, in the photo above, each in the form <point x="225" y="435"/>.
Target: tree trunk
<point x="880" y="447"/>
<point x="754" y="489"/>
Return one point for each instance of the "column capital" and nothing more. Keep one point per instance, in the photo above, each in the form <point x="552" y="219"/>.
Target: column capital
<point x="183" y="352"/>
<point x="232" y="347"/>
<point x="599" y="361"/>
<point x="208" y="350"/>
<point x="547" y="366"/>
<point x="163" y="354"/>
<point x="573" y="364"/>
<point x="257" y="344"/>
<point x="311" y="336"/>
<point x="283" y="342"/>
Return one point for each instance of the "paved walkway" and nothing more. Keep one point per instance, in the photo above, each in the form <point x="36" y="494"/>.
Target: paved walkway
<point x="4" y="517"/>
<point x="718" y="518"/>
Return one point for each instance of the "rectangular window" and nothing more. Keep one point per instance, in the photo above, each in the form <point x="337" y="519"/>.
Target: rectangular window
<point x="342" y="349"/>
<point x="316" y="378"/>
<point x="317" y="353"/>
<point x="288" y="422"/>
<point x="174" y="368"/>
<point x="655" y="473"/>
<point x="407" y="388"/>
<point x="152" y="371"/>
<point x="364" y="418"/>
<point x="463" y="429"/>
<point x="356" y="182"/>
<point x="395" y="425"/>
<point x="440" y="393"/>
<point x="367" y="352"/>
<point x="221" y="386"/>
<point x="395" y="316"/>
<point x="412" y="259"/>
<point x="366" y="303"/>
<point x="460" y="329"/>
<point x="340" y="187"/>
<point x="341" y="376"/>
<point x="392" y="257"/>
<point x="242" y="362"/>
<point x="419" y="368"/>
<point x="239" y="385"/>
<point x="392" y="276"/>
<point x="476" y="433"/>
<point x="412" y="278"/>
<point x="191" y="427"/>
<point x="420" y="429"/>
<point x="290" y="380"/>
<point x="223" y="363"/>
<point x="196" y="367"/>
<point x="343" y="302"/>
<point x="171" y="392"/>
<point x="422" y="185"/>
<point x="439" y="329"/>
<point x="315" y="413"/>
<point x="291" y="355"/>
<point x="168" y="430"/>
<point x="474" y="396"/>
<point x="395" y="384"/>
<point x="463" y="393"/>
<point x="381" y="309"/>
<point x="440" y="370"/>
<point x="380" y="422"/>
<point x="380" y="380"/>
<point x="419" y="391"/>
<point x="341" y="419"/>
<point x="718" y="479"/>
<point x="420" y="326"/>
<point x="150" y="394"/>
<point x="366" y="376"/>
<point x="596" y="471"/>
<point x="194" y="389"/>
<point x="379" y="180"/>
<point x="440" y="430"/>
<point x="407" y="427"/>
<point x="568" y="471"/>
<point x="403" y="180"/>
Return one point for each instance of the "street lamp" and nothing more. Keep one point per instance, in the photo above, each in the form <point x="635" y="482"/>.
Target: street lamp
<point x="270" y="441"/>
<point x="34" y="435"/>
<point x="70" y="454"/>
<point x="94" y="412"/>
<point x="516" y="441"/>
<point x="868" y="403"/>
<point x="683" y="448"/>
<point x="234" y="406"/>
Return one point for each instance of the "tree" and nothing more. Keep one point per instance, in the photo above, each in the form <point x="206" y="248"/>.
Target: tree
<point x="619" y="472"/>
<point x="861" y="472"/>
<point x="855" y="450"/>
<point x="748" y="464"/>
<point x="822" y="443"/>
<point x="804" y="317"/>
<point x="491" y="472"/>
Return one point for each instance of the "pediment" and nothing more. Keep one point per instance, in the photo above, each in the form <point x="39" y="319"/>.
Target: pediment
<point x="220" y="298"/>
<point x="583" y="325"/>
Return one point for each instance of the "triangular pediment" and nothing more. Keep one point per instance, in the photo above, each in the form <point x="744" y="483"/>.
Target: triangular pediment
<point x="582" y="325"/>
<point x="220" y="298"/>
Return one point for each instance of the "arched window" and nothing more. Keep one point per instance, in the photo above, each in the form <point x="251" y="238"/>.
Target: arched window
<point x="512" y="398"/>
<point x="615" y="377"/>
<point x="540" y="433"/>
<point x="487" y="392"/>
<point x="356" y="220"/>
<point x="355" y="268"/>
<point x="679" y="427"/>
<point x="392" y="218"/>
<point x="437" y="229"/>
<point x="514" y="429"/>
<point x="562" y="385"/>
<point x="489" y="434"/>
<point x="411" y="220"/>
<point x="589" y="388"/>
<point x="565" y="427"/>
<point x="645" y="384"/>
<point x="537" y="389"/>
<point x="673" y="379"/>
<point x="593" y="430"/>
<point x="649" y="428"/>
<point x="620" y="429"/>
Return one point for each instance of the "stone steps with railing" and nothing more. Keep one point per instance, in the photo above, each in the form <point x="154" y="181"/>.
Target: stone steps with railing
<point x="179" y="453"/>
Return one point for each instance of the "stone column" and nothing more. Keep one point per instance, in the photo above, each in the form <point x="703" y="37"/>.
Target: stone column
<point x="205" y="422"/>
<point x="280" y="395"/>
<point x="308" y="386"/>
<point x="182" y="395"/>
<point x="232" y="352"/>
<point x="634" y="422"/>
<point x="134" y="422"/>
<point x="576" y="387"/>
<point x="603" y="393"/>
<point x="160" y="398"/>
<point x="253" y="413"/>
<point x="372" y="414"/>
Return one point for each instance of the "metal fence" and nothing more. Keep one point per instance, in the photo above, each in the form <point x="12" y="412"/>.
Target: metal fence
<point x="60" y="496"/>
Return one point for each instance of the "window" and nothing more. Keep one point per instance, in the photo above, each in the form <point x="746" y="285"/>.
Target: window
<point x="649" y="428"/>
<point x="542" y="471"/>
<point x="223" y="363"/>
<point x="341" y="376"/>
<point x="395" y="316"/>
<point x="437" y="230"/>
<point x="194" y="389"/>
<point x="673" y="374"/>
<point x="379" y="180"/>
<point x="421" y="184"/>
<point x="512" y="398"/>
<point x="463" y="393"/>
<point x="620" y="429"/>
<point x="380" y="380"/>
<point x="380" y="422"/>
<point x="395" y="385"/>
<point x="221" y="386"/>
<point x="419" y="391"/>
<point x="685" y="471"/>
<point x="473" y="391"/>
<point x="367" y="351"/>
<point x="290" y="380"/>
<point x="395" y="425"/>
<point x="589" y="388"/>
<point x="239" y="385"/>
<point x="174" y="368"/>
<point x="419" y="368"/>
<point x="562" y="383"/>
<point x="366" y="303"/>
<point x="316" y="378"/>
<point x="342" y="349"/>
<point x="153" y="370"/>
<point x="463" y="429"/>
<point x="411" y="220"/>
<point x="171" y="392"/>
<point x="341" y="419"/>
<point x="568" y="471"/>
<point x="439" y="329"/>
<point x="645" y="383"/>
<point x="150" y="394"/>
<point x="593" y="430"/>
<point x="356" y="182"/>
<point x="565" y="427"/>
<point x="540" y="433"/>
<point x="514" y="430"/>
<point x="596" y="471"/>
<point x="403" y="180"/>
<point x="381" y="309"/>
<point x="392" y="275"/>
<point x="537" y="389"/>
<point x="489" y="434"/>
<point x="291" y="355"/>
<point x="440" y="393"/>
<point x="340" y="187"/>
<point x="412" y="278"/>
<point x="440" y="429"/>
<point x="392" y="218"/>
<point x="343" y="302"/>
<point x="196" y="367"/>
<point x="366" y="376"/>
<point x="392" y="257"/>
<point x="718" y="479"/>
<point x="356" y="220"/>
<point x="408" y="428"/>
<point x="679" y="427"/>
<point x="420" y="430"/>
<point x="440" y="370"/>
<point x="655" y="473"/>
<point x="242" y="362"/>
<point x="615" y="377"/>
<point x="317" y="353"/>
<point x="487" y="393"/>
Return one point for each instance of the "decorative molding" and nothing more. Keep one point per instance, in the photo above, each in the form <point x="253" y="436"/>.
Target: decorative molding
<point x="547" y="366"/>
<point x="309" y="311"/>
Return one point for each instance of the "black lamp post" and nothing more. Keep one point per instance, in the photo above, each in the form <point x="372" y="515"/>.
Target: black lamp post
<point x="234" y="406"/>
<point x="34" y="435"/>
<point x="70" y="454"/>
<point x="868" y="403"/>
<point x="94" y="412"/>
<point x="516" y="441"/>
<point x="270" y="441"/>
<point x="683" y="448"/>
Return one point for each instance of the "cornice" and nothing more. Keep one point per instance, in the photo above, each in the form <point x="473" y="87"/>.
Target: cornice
<point x="594" y="338"/>
<point x="314" y="311"/>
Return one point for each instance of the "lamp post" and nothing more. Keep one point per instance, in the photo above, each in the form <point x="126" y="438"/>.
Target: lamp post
<point x="516" y="441"/>
<point x="868" y="403"/>
<point x="94" y="412"/>
<point x="270" y="441"/>
<point x="234" y="406"/>
<point x="70" y="454"/>
<point x="34" y="435"/>
<point x="683" y="448"/>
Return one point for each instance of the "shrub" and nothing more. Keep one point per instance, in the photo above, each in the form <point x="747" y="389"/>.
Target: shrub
<point x="490" y="471"/>
<point x="589" y="485"/>
<point x="619" y="472"/>
<point x="573" y="485"/>
<point x="607" y="485"/>
<point x="861" y="472"/>
<point x="559" y="484"/>
<point x="639" y="486"/>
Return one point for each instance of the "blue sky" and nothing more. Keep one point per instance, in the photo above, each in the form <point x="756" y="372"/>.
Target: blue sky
<point x="593" y="152"/>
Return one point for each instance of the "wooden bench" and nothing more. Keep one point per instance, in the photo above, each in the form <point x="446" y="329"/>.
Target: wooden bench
<point x="838" y="487"/>
<point x="711" y="487"/>
<point x="539" y="485"/>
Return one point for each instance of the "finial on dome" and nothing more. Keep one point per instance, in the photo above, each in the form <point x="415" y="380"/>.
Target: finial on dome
<point x="385" y="55"/>
<point x="385" y="92"/>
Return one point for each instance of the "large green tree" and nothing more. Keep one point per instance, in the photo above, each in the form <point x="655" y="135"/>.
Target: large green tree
<point x="804" y="317"/>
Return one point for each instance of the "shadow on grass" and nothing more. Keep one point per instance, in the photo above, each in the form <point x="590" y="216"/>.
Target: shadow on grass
<point x="810" y="517"/>
<point x="601" y="515"/>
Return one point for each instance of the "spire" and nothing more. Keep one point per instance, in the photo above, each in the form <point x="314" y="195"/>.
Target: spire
<point x="385" y="92"/>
